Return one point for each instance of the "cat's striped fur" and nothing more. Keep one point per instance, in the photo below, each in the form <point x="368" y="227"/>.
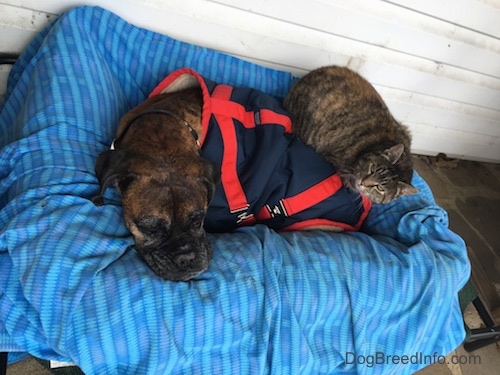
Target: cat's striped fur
<point x="339" y="114"/>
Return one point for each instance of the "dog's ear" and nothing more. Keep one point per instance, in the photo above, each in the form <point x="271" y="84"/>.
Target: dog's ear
<point x="112" y="167"/>
<point x="212" y="177"/>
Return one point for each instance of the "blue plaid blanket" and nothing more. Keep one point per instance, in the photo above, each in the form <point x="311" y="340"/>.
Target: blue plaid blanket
<point x="72" y="287"/>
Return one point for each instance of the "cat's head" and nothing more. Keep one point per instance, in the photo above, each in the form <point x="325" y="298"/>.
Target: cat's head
<point x="381" y="176"/>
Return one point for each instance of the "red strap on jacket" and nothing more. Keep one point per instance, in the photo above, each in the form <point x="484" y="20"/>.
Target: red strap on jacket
<point x="304" y="200"/>
<point x="312" y="196"/>
<point x="223" y="111"/>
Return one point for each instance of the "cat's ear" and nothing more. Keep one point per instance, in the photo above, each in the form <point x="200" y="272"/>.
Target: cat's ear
<point x="394" y="153"/>
<point x="406" y="189"/>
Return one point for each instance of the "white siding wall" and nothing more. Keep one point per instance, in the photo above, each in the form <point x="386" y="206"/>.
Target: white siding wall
<point x="436" y="63"/>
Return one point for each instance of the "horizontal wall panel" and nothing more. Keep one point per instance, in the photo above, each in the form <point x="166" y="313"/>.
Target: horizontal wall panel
<point x="55" y="7"/>
<point x="428" y="139"/>
<point x="437" y="67"/>
<point x="22" y="18"/>
<point x="387" y="26"/>
<point x="13" y="40"/>
<point x="18" y="26"/>
<point x="418" y="76"/>
<point x="408" y="106"/>
<point x="480" y="15"/>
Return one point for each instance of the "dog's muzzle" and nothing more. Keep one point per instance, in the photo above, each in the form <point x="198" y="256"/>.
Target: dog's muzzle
<point x="179" y="262"/>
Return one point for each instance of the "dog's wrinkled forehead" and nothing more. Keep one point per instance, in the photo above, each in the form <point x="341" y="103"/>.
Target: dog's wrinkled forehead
<point x="171" y="200"/>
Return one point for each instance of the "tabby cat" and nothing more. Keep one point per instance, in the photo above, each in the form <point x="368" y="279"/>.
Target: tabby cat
<point x="340" y="115"/>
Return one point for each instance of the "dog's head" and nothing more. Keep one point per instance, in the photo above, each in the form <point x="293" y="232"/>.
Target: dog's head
<point x="164" y="205"/>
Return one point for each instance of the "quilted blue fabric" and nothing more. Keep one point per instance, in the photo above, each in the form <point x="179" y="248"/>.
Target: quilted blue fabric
<point x="72" y="287"/>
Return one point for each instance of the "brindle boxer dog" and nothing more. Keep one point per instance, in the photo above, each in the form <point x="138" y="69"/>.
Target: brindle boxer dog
<point x="165" y="185"/>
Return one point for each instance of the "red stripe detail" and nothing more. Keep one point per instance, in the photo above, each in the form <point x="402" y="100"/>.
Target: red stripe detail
<point x="313" y="195"/>
<point x="270" y="117"/>
<point x="367" y="205"/>
<point x="310" y="224"/>
<point x="235" y="195"/>
<point x="248" y="221"/>
<point x="222" y="104"/>
<point x="264" y="214"/>
<point x="222" y="92"/>
<point x="232" y="109"/>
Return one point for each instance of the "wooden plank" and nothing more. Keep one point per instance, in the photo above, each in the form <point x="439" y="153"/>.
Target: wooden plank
<point x="410" y="106"/>
<point x="412" y="76"/>
<point x="305" y="49"/>
<point x="272" y="41"/>
<point x="431" y="140"/>
<point x="438" y="101"/>
<point x="13" y="40"/>
<point x="387" y="26"/>
<point x="21" y="18"/>
<point x="19" y="26"/>
<point x="484" y="18"/>
<point x="46" y="6"/>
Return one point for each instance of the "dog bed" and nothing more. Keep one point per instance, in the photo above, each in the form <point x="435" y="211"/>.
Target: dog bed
<point x="72" y="287"/>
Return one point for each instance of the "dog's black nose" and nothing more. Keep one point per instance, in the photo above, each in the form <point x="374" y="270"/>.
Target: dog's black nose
<point x="183" y="261"/>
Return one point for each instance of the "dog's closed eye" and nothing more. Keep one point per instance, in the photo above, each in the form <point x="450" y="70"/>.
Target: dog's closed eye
<point x="196" y="220"/>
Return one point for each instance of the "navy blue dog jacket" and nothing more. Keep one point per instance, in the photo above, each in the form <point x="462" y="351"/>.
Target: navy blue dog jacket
<point x="268" y="175"/>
